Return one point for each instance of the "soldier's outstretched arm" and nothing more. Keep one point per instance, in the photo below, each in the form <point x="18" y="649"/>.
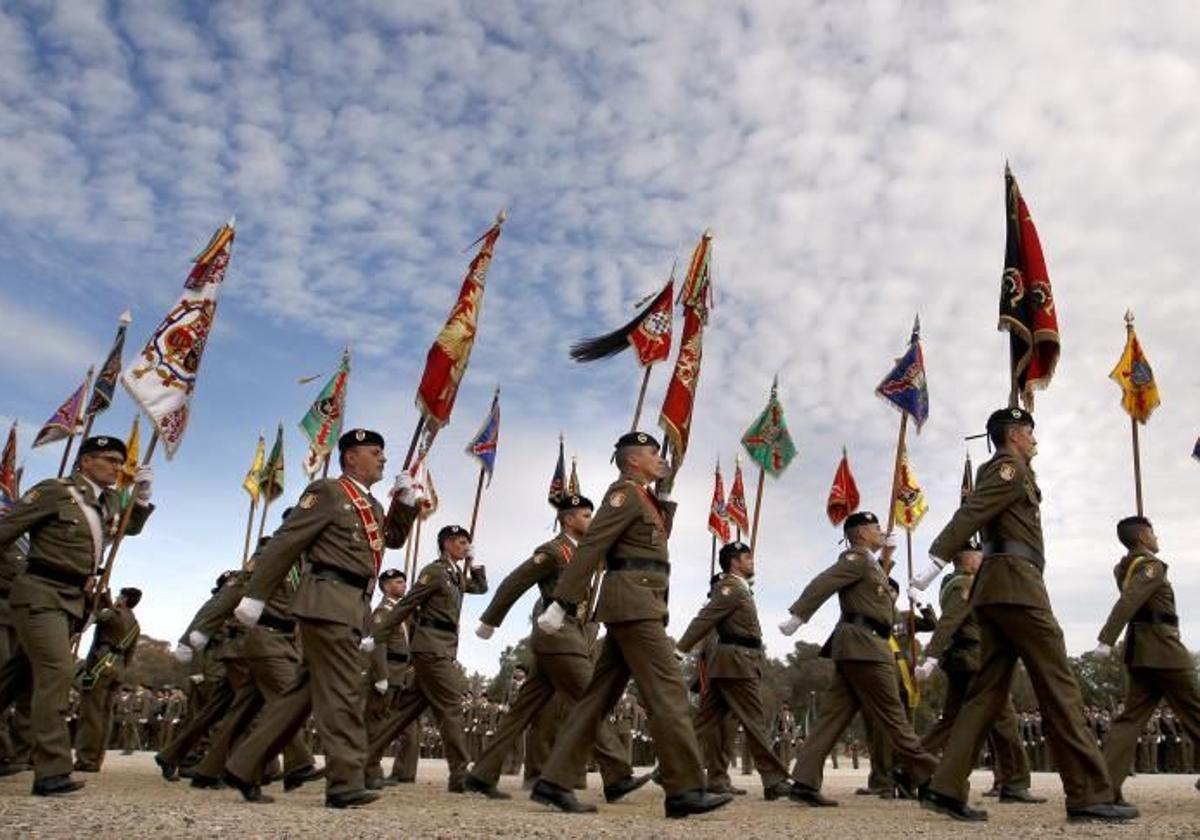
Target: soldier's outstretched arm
<point x="848" y="569"/>
<point x="956" y="607"/>
<point x="1142" y="584"/>
<point x="428" y="583"/>
<point x="706" y="621"/>
<point x="519" y="581"/>
<point x="39" y="503"/>
<point x="298" y="532"/>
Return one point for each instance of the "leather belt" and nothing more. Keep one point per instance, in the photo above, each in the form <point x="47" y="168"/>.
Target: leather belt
<point x="882" y="629"/>
<point x="438" y="624"/>
<point x="283" y="625"/>
<point x="752" y="642"/>
<point x="397" y="657"/>
<point x="629" y="564"/>
<point x="1146" y="616"/>
<point x="323" y="571"/>
<point x="5" y="591"/>
<point x="43" y="570"/>
<point x="1015" y="548"/>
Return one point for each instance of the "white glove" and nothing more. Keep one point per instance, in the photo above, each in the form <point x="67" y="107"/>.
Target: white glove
<point x="404" y="489"/>
<point x="197" y="640"/>
<point x="1102" y="651"/>
<point x="367" y="644"/>
<point x="382" y="686"/>
<point x="922" y="579"/>
<point x="889" y="541"/>
<point x="484" y="631"/>
<point x="471" y="553"/>
<point x="143" y="482"/>
<point x="926" y="668"/>
<point x="182" y="654"/>
<point x="790" y="625"/>
<point x="197" y="678"/>
<point x="917" y="598"/>
<point x="551" y="619"/>
<point x="248" y="611"/>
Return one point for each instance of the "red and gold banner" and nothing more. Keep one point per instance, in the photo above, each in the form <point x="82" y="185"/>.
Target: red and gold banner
<point x="696" y="298"/>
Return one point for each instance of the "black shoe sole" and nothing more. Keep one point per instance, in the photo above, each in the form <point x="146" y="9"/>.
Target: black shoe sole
<point x="945" y="811"/>
<point x="547" y="801"/>
<point x="679" y="815"/>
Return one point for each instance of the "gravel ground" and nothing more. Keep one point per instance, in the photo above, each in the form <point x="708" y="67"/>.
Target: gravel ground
<point x="129" y="799"/>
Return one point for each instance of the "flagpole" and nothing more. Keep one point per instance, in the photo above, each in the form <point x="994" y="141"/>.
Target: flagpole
<point x="249" y="529"/>
<point x="1133" y="426"/>
<point x="912" y="614"/>
<point x="62" y="465"/>
<point x="762" y="476"/>
<point x="641" y="400"/>
<point x="325" y="466"/>
<point x="262" y="523"/>
<point x="712" y="563"/>
<point x="891" y="518"/>
<point x="412" y="444"/>
<point x="475" y="509"/>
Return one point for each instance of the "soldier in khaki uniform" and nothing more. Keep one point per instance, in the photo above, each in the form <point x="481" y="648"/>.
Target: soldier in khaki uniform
<point x="390" y="672"/>
<point x="955" y="648"/>
<point x="516" y="755"/>
<point x="113" y="646"/>
<point x="865" y="668"/>
<point x="1016" y="622"/>
<point x="1158" y="665"/>
<point x="14" y="740"/>
<point x="562" y="664"/>
<point x="342" y="532"/>
<point x="628" y="538"/>
<point x="69" y="523"/>
<point x="436" y="603"/>
<point x="735" y="664"/>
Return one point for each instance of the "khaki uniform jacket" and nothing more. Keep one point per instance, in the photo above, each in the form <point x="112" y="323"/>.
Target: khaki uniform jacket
<point x="436" y="598"/>
<point x="61" y="537"/>
<point x="260" y="641"/>
<point x="955" y="642"/>
<point x="1146" y="645"/>
<point x="1005" y="506"/>
<point x="543" y="570"/>
<point x="12" y="563"/>
<point x="117" y="632"/>
<point x="862" y="589"/>
<point x="730" y="611"/>
<point x="327" y="528"/>
<point x="385" y="663"/>
<point x="631" y="524"/>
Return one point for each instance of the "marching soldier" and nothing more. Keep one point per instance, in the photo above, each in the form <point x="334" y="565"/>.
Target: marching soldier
<point x="342" y="530"/>
<point x="14" y="739"/>
<point x="390" y="673"/>
<point x="629" y="537"/>
<point x="785" y="734"/>
<point x="562" y="664"/>
<point x="516" y="756"/>
<point x="435" y="603"/>
<point x="1159" y="666"/>
<point x="955" y="648"/>
<point x="112" y="651"/>
<point x="735" y="666"/>
<point x="69" y="522"/>
<point x="865" y="668"/>
<point x="625" y="718"/>
<point x="1016" y="622"/>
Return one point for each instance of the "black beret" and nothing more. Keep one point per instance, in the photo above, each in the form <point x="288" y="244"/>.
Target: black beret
<point x="452" y="531"/>
<point x="359" y="437"/>
<point x="223" y="578"/>
<point x="132" y="596"/>
<point x="637" y="439"/>
<point x="894" y="584"/>
<point x="1009" y="417"/>
<point x="574" y="503"/>
<point x="1131" y="521"/>
<point x="862" y="517"/>
<point x="392" y="574"/>
<point x="96" y="445"/>
<point x="731" y="550"/>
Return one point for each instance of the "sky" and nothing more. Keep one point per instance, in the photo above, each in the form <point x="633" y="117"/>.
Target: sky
<point x="848" y="157"/>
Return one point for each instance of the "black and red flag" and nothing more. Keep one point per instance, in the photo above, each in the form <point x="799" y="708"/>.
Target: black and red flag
<point x="648" y="333"/>
<point x="1027" y="308"/>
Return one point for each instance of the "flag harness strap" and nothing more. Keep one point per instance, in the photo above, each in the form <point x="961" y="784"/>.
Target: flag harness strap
<point x="366" y="515"/>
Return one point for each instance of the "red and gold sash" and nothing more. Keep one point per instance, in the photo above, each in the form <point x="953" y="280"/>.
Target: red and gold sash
<point x="366" y="514"/>
<point x="662" y="523"/>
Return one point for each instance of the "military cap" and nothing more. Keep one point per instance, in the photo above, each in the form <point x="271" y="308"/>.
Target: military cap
<point x="894" y="584"/>
<point x="574" y="502"/>
<point x="452" y="531"/>
<point x="392" y="574"/>
<point x="223" y="579"/>
<point x="102" y="443"/>
<point x="731" y="550"/>
<point x="132" y="596"/>
<point x="862" y="517"/>
<point x="1134" y="521"/>
<point x="359" y="437"/>
<point x="637" y="439"/>
<point x="1009" y="417"/>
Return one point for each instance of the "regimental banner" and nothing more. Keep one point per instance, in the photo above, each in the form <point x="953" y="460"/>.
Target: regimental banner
<point x="106" y="382"/>
<point x="573" y="480"/>
<point x="1027" y="307"/>
<point x="648" y="333"/>
<point x="910" y="503"/>
<point x="735" y="506"/>
<point x="843" y="495"/>
<point x="9" y="492"/>
<point x="252" y="483"/>
<point x="696" y="297"/>
<point x="905" y="386"/>
<point x="558" y="481"/>
<point x="767" y="441"/>
<point x="161" y="379"/>
<point x="483" y="446"/>
<point x="1139" y="391"/>
<point x="322" y="425"/>
<point x="718" y="518"/>
<point x="64" y="422"/>
<point x="451" y="351"/>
